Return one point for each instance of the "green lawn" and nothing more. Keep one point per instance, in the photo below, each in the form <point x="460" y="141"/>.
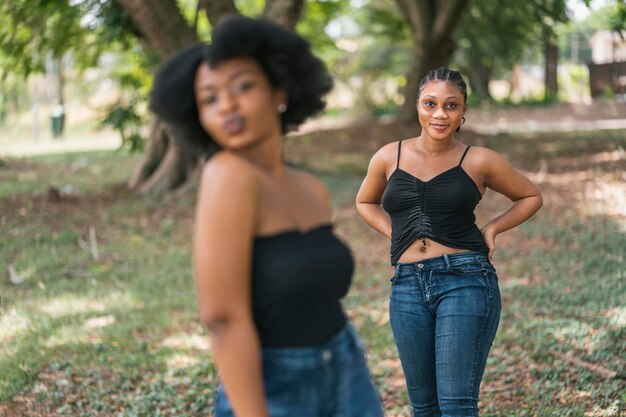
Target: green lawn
<point x="115" y="333"/>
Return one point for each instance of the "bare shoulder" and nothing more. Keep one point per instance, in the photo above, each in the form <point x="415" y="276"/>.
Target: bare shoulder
<point x="388" y="152"/>
<point x="226" y="170"/>
<point x="481" y="157"/>
<point x="481" y="153"/>
<point x="386" y="157"/>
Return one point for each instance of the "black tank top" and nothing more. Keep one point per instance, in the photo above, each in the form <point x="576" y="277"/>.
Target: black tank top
<point x="440" y="209"/>
<point x="297" y="282"/>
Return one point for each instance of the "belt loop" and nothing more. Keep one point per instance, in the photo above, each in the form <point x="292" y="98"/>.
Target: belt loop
<point x="447" y="261"/>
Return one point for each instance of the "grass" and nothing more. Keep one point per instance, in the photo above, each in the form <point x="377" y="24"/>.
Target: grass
<point x="118" y="334"/>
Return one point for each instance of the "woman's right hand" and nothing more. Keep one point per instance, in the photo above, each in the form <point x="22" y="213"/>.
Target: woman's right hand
<point x="223" y="236"/>
<point x="369" y="197"/>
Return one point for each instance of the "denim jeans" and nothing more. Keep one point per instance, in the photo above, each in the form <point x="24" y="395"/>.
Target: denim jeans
<point x="444" y="313"/>
<point x="331" y="380"/>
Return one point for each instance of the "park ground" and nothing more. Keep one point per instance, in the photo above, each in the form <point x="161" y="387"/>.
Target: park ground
<point x="98" y="313"/>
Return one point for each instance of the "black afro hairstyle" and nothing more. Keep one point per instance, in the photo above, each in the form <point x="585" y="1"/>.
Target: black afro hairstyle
<point x="285" y="57"/>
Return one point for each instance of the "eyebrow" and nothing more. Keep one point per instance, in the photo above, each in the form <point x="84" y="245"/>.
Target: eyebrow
<point x="447" y="98"/>
<point x="231" y="77"/>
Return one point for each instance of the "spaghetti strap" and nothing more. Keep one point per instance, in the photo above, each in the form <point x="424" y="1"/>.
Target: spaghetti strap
<point x="399" y="147"/>
<point x="464" y="153"/>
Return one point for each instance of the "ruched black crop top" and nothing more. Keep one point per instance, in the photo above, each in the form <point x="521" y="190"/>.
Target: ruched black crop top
<point x="440" y="209"/>
<point x="297" y="282"/>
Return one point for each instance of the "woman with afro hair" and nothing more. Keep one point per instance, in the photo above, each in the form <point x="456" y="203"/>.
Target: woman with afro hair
<point x="269" y="271"/>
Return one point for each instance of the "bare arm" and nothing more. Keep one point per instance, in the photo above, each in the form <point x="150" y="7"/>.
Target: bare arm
<point x="501" y="177"/>
<point x="224" y="232"/>
<point x="368" y="199"/>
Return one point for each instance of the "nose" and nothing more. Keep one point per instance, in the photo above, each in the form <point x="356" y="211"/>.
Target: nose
<point x="226" y="102"/>
<point x="440" y="114"/>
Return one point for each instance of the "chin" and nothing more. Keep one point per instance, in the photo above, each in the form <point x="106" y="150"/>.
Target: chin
<point x="441" y="135"/>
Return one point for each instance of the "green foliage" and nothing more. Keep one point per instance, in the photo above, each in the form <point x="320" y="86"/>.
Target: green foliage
<point x="125" y="119"/>
<point x="617" y="17"/>
<point x="30" y="30"/>
<point x="314" y="23"/>
<point x="369" y="53"/>
<point x="495" y="34"/>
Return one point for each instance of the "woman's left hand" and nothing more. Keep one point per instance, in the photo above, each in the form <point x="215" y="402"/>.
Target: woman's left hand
<point x="490" y="239"/>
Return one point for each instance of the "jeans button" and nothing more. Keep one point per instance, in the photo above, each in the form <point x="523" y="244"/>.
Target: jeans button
<point x="327" y="355"/>
<point x="420" y="266"/>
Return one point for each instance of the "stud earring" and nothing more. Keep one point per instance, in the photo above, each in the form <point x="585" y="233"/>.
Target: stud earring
<point x="282" y="108"/>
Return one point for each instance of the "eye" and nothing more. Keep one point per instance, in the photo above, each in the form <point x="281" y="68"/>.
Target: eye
<point x="452" y="106"/>
<point x="244" y="86"/>
<point x="429" y="103"/>
<point x="209" y="99"/>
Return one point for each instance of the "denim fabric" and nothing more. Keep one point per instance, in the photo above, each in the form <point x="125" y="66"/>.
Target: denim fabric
<point x="331" y="380"/>
<point x="444" y="313"/>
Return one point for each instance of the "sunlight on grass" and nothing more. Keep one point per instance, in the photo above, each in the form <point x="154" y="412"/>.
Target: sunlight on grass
<point x="12" y="323"/>
<point x="578" y="334"/>
<point x="617" y="317"/>
<point x="612" y="410"/>
<point x="187" y="341"/>
<point x="69" y="335"/>
<point x="181" y="361"/>
<point x="99" y="322"/>
<point x="71" y="304"/>
<point x="122" y="333"/>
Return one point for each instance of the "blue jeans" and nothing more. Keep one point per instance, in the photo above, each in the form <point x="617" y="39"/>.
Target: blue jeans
<point x="444" y="313"/>
<point x="331" y="380"/>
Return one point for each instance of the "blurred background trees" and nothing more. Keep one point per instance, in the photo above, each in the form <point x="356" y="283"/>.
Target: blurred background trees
<point x="102" y="54"/>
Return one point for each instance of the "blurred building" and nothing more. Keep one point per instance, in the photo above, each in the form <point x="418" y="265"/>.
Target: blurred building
<point x="607" y="47"/>
<point x="607" y="72"/>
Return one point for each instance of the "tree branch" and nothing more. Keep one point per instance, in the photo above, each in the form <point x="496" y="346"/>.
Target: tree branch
<point x="161" y="23"/>
<point x="217" y="9"/>
<point x="285" y="13"/>
<point x="446" y="18"/>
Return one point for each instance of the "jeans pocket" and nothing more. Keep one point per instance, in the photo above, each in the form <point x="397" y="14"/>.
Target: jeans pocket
<point x="468" y="268"/>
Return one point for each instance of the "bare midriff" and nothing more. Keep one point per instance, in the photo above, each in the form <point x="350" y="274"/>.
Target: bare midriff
<point x="418" y="251"/>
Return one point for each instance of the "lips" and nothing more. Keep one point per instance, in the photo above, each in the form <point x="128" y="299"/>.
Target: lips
<point x="233" y="125"/>
<point x="439" y="127"/>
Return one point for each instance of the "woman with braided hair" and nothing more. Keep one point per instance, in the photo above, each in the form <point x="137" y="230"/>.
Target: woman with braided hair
<point x="445" y="302"/>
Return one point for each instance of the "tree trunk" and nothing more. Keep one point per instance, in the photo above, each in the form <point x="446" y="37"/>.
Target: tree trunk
<point x="161" y="23"/>
<point x="175" y="168"/>
<point x="432" y="23"/>
<point x="284" y="12"/>
<point x="163" y="28"/>
<point x="479" y="76"/>
<point x="152" y="156"/>
<point x="552" y="56"/>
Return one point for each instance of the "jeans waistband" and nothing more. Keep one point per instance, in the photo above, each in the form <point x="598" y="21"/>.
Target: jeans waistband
<point x="446" y="261"/>
<point x="340" y="347"/>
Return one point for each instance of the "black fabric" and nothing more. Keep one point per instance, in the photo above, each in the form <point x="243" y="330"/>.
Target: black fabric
<point x="297" y="282"/>
<point x="440" y="209"/>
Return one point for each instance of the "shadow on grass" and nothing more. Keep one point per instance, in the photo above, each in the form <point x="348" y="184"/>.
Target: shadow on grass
<point x="120" y="335"/>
